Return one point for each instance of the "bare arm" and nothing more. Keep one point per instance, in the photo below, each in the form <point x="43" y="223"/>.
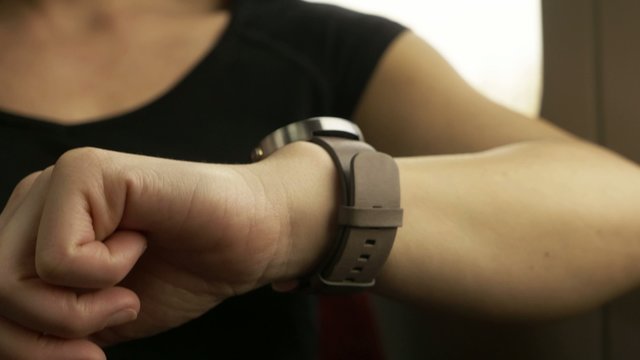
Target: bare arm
<point x="526" y="220"/>
<point x="538" y="229"/>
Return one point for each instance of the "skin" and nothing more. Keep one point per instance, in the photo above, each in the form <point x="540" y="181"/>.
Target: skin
<point x="504" y="216"/>
<point x="522" y="221"/>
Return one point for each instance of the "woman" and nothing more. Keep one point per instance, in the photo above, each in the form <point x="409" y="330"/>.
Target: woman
<point x="116" y="242"/>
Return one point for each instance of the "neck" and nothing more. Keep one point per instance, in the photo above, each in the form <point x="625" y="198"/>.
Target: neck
<point x="83" y="14"/>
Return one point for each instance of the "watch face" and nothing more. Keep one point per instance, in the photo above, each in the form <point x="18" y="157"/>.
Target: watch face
<point x="305" y="130"/>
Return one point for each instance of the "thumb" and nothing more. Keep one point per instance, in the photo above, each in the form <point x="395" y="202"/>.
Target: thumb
<point x="80" y="243"/>
<point x="93" y="265"/>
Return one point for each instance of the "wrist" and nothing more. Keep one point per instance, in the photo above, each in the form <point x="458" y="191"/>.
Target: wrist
<point x="302" y="180"/>
<point x="367" y="208"/>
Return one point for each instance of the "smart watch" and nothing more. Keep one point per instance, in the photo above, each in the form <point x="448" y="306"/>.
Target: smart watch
<point x="369" y="212"/>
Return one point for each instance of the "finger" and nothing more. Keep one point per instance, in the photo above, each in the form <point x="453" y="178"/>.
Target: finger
<point x="78" y="268"/>
<point x="18" y="343"/>
<point x="17" y="196"/>
<point x="64" y="313"/>
<point x="79" y="243"/>
<point x="27" y="300"/>
<point x="22" y="215"/>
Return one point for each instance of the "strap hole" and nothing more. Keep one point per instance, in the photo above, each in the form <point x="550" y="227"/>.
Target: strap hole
<point x="370" y="242"/>
<point x="357" y="270"/>
<point x="364" y="257"/>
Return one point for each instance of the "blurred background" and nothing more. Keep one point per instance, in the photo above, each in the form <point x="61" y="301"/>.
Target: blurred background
<point x="496" y="45"/>
<point x="577" y="63"/>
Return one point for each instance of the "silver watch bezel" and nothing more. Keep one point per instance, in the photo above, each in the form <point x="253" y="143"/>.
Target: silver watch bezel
<point x="305" y="130"/>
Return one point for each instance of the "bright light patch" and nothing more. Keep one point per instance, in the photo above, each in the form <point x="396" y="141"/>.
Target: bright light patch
<point x="496" y="45"/>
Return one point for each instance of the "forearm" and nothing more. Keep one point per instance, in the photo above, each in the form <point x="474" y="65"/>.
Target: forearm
<point x="532" y="229"/>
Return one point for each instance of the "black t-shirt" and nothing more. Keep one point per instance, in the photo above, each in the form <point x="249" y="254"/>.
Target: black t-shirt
<point x="279" y="61"/>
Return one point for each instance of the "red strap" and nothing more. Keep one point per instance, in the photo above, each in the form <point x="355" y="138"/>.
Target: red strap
<point x="348" y="329"/>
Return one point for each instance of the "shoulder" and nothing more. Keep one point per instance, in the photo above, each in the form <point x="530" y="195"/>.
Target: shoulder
<point x="417" y="104"/>
<point x="313" y="28"/>
<point x="286" y="14"/>
<point x="341" y="47"/>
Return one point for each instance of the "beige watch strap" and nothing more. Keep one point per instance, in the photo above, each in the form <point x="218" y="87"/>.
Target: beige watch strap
<point x="369" y="215"/>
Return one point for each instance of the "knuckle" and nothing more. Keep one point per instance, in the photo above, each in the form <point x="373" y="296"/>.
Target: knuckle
<point x="26" y="183"/>
<point x="18" y="195"/>
<point x="51" y="265"/>
<point x="70" y="329"/>
<point x="80" y="157"/>
<point x="46" y="347"/>
<point x="72" y="324"/>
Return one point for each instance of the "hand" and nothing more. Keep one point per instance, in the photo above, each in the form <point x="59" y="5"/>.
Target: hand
<point x="212" y="232"/>
<point x="55" y="312"/>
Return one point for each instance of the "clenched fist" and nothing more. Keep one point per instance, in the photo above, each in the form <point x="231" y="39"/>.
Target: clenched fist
<point x="105" y="247"/>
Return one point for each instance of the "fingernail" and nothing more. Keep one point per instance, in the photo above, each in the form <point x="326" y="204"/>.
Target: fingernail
<point x="122" y="317"/>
